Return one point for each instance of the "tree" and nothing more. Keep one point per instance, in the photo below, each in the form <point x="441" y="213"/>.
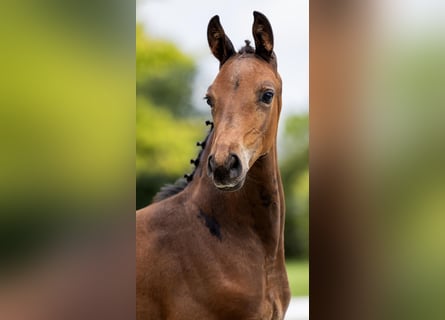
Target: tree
<point x="166" y="135"/>
<point x="164" y="75"/>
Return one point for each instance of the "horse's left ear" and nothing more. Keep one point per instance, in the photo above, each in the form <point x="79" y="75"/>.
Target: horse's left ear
<point x="263" y="35"/>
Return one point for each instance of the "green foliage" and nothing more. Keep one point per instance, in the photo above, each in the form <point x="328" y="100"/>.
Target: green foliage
<point x="165" y="139"/>
<point x="163" y="73"/>
<point x="164" y="144"/>
<point x="295" y="175"/>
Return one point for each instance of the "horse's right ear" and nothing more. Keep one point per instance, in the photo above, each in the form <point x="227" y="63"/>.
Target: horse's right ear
<point x="220" y="45"/>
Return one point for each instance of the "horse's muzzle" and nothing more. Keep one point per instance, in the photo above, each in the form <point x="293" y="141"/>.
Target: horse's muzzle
<point x="226" y="176"/>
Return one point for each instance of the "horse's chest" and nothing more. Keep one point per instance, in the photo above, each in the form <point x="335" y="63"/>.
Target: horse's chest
<point x="231" y="301"/>
<point x="236" y="293"/>
<point x="233" y="279"/>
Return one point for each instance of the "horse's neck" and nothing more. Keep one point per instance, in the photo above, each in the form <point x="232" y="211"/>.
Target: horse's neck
<point x="258" y="205"/>
<point x="264" y="188"/>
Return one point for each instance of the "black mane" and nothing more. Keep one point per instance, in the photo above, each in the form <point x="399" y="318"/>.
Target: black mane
<point x="171" y="189"/>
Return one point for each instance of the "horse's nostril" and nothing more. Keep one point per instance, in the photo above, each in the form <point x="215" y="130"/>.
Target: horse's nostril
<point x="233" y="161"/>
<point x="234" y="166"/>
<point x="211" y="164"/>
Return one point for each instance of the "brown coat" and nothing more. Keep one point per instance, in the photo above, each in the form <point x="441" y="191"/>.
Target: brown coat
<point x="215" y="250"/>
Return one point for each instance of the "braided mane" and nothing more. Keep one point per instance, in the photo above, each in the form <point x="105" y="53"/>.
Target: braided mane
<point x="247" y="48"/>
<point x="171" y="189"/>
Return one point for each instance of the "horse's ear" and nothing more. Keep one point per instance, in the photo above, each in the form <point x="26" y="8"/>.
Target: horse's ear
<point x="221" y="46"/>
<point x="263" y="35"/>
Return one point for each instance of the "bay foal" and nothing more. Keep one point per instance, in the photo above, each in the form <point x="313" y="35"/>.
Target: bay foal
<point x="212" y="248"/>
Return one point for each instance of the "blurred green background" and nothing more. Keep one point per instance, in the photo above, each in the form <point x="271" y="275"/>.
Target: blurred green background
<point x="168" y="126"/>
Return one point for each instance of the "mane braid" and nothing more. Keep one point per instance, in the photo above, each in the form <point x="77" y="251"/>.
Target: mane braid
<point x="247" y="48"/>
<point x="170" y="190"/>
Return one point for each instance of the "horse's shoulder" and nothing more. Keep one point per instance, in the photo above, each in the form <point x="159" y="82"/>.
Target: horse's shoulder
<point x="164" y="224"/>
<point x="155" y="237"/>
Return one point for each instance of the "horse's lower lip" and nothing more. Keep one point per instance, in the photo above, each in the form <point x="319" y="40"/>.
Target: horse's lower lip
<point x="229" y="187"/>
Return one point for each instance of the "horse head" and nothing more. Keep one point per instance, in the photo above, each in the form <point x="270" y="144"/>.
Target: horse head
<point x="245" y="101"/>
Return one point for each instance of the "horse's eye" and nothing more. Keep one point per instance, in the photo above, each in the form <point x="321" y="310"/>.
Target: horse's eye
<point x="267" y="96"/>
<point x="209" y="101"/>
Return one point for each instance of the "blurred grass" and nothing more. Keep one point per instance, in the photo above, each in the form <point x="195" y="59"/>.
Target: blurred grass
<point x="298" y="274"/>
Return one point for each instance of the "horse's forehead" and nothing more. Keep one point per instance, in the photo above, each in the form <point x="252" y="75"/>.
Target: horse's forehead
<point x="242" y="68"/>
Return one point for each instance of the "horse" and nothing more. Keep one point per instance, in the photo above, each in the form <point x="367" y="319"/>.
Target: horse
<point x="212" y="245"/>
